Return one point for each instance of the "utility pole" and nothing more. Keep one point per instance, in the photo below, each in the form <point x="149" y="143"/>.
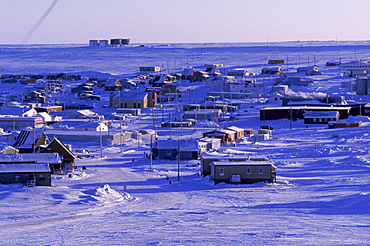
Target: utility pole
<point x="291" y="114"/>
<point x="120" y="122"/>
<point x="178" y="160"/>
<point x="101" y="138"/>
<point x="151" y="152"/>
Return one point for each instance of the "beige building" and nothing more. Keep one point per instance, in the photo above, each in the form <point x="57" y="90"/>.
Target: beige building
<point x="133" y="99"/>
<point x="243" y="172"/>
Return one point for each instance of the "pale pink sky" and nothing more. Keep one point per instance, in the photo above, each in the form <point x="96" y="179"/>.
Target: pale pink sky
<point x="181" y="21"/>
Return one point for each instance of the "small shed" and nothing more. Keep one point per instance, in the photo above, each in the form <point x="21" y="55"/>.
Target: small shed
<point x="245" y="172"/>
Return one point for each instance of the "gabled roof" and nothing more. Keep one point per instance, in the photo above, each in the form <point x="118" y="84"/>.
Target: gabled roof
<point x="62" y="145"/>
<point x="113" y="82"/>
<point x="27" y="138"/>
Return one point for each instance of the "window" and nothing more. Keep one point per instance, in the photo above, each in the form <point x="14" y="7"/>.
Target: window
<point x="249" y="170"/>
<point x="41" y="177"/>
<point x="260" y="170"/>
<point x="222" y="173"/>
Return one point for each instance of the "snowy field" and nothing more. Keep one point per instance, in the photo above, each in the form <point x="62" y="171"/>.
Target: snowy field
<point x="322" y="193"/>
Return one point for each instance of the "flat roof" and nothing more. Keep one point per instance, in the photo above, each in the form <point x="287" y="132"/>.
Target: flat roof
<point x="30" y="157"/>
<point x="242" y="163"/>
<point x="307" y="108"/>
<point x="25" y="168"/>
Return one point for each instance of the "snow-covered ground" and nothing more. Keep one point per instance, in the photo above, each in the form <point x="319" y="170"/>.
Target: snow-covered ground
<point x="321" y="196"/>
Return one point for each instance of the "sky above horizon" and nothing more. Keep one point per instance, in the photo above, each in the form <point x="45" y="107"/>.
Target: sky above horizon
<point x="182" y="21"/>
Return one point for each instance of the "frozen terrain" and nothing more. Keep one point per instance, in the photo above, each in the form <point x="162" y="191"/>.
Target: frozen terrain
<point x="322" y="194"/>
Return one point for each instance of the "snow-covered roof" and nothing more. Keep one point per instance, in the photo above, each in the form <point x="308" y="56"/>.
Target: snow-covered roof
<point x="234" y="128"/>
<point x="25" y="168"/>
<point x="307" y="108"/>
<point x="24" y="112"/>
<point x="86" y="112"/>
<point x="355" y="65"/>
<point x="30" y="157"/>
<point x="315" y="114"/>
<point x="185" y="144"/>
<point x="241" y="163"/>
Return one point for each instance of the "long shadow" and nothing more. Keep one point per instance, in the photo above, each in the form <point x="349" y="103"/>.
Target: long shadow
<point x="348" y="205"/>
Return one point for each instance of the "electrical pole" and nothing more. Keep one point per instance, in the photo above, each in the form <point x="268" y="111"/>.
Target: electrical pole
<point x="178" y="160"/>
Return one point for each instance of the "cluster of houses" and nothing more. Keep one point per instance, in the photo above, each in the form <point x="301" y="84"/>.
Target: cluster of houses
<point x="28" y="119"/>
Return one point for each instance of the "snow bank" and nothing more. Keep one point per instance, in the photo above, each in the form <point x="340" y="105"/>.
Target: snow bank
<point x="107" y="195"/>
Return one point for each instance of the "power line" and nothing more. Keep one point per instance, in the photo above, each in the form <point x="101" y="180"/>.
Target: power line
<point x="39" y="22"/>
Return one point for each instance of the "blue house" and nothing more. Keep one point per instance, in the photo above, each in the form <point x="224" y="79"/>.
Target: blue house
<point x="170" y="148"/>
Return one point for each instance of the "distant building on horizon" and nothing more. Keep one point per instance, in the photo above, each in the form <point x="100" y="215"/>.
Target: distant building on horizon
<point x="113" y="42"/>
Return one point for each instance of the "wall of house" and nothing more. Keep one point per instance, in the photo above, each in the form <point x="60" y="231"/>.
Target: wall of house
<point x="42" y="179"/>
<point x="229" y="170"/>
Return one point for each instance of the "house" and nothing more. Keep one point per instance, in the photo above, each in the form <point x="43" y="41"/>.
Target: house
<point x="208" y="158"/>
<point x="170" y="148"/>
<point x="21" y="173"/>
<point x="209" y="144"/>
<point x="272" y="61"/>
<point x="198" y="76"/>
<point x="27" y="81"/>
<point x="239" y="72"/>
<point x="297" y="112"/>
<point x="19" y="123"/>
<point x="35" y="96"/>
<point x="82" y="114"/>
<point x="82" y="126"/>
<point x="203" y="114"/>
<point x="320" y="117"/>
<point x="297" y="81"/>
<point x="243" y="172"/>
<point x="49" y="109"/>
<point x="341" y="124"/>
<point x="68" y="158"/>
<point x="150" y="69"/>
<point x="239" y="132"/>
<point x="113" y="85"/>
<point x="132" y="111"/>
<point x="53" y="159"/>
<point x="30" y="141"/>
<point x="187" y="73"/>
<point x="218" y="82"/>
<point x="133" y="99"/>
<point x="310" y="70"/>
<point x="226" y="136"/>
<point x="356" y="68"/>
<point x="302" y="101"/>
<point x="272" y="70"/>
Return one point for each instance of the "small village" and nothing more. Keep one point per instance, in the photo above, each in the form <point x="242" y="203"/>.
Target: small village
<point x="49" y="121"/>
